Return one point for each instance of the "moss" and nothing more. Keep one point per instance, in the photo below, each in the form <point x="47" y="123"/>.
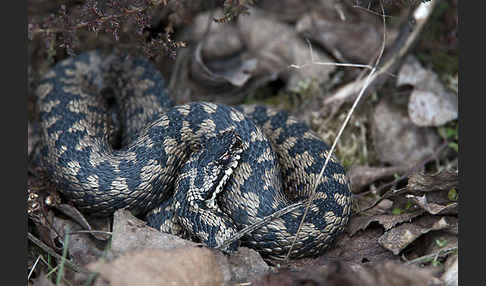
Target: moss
<point x="441" y="62"/>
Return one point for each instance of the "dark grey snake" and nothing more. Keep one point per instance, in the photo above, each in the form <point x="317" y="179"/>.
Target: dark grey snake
<point x="113" y="139"/>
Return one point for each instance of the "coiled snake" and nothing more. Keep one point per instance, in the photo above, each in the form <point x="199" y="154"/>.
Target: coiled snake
<point x="113" y="139"/>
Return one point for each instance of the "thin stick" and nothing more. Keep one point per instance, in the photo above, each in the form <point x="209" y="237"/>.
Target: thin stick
<point x="264" y="221"/>
<point x="313" y="62"/>
<point x="345" y="123"/>
<point x="86" y="24"/>
<point x="91" y="231"/>
<point x="330" y="64"/>
<point x="399" y="49"/>
<point x="434" y="256"/>
<point x="387" y="195"/>
<point x="33" y="267"/>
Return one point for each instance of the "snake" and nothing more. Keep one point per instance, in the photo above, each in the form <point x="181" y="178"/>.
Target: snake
<point x="112" y="138"/>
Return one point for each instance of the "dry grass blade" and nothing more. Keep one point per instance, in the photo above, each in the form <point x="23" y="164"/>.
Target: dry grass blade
<point x="254" y="226"/>
<point x="60" y="273"/>
<point x="53" y="253"/>
<point x="432" y="256"/>
<point x="345" y="123"/>
<point x="33" y="267"/>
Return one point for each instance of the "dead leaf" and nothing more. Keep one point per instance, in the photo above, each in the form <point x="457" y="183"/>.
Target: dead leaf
<point x="444" y="180"/>
<point x="81" y="247"/>
<point x="130" y="233"/>
<point x="396" y="239"/>
<point x="396" y="139"/>
<point x="434" y="208"/>
<point x="42" y="280"/>
<point x="277" y="46"/>
<point x="430" y="104"/>
<point x="362" y="247"/>
<point x="361" y="176"/>
<point x="388" y="221"/>
<point x="235" y="71"/>
<point x="78" y="217"/>
<point x="349" y="40"/>
<point x="286" y="10"/>
<point x="394" y="273"/>
<point x="246" y="265"/>
<point x="182" y="266"/>
<point x="451" y="274"/>
<point x="434" y="242"/>
<point x="339" y="273"/>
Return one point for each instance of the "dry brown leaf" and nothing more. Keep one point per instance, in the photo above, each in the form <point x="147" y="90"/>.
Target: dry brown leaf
<point x="444" y="180"/>
<point x="183" y="266"/>
<point x="81" y="246"/>
<point x="394" y="273"/>
<point x="131" y="233"/>
<point x="430" y="103"/>
<point x="339" y="273"/>
<point x="451" y="274"/>
<point x="349" y="40"/>
<point x="220" y="72"/>
<point x="388" y="221"/>
<point x="396" y="139"/>
<point x="102" y="224"/>
<point x="287" y="10"/>
<point x="361" y="176"/>
<point x="42" y="280"/>
<point x="432" y="207"/>
<point x="362" y="247"/>
<point x="396" y="239"/>
<point x="277" y="46"/>
<point x="246" y="265"/>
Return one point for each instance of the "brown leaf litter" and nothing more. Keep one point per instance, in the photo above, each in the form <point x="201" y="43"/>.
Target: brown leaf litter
<point x="133" y="238"/>
<point x="397" y="140"/>
<point x="181" y="266"/>
<point x="400" y="237"/>
<point x="430" y="103"/>
<point x="381" y="274"/>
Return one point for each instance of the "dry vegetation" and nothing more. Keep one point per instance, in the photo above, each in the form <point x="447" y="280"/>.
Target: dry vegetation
<point x="376" y="79"/>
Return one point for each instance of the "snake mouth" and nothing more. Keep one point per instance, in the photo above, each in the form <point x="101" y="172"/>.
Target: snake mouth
<point x="229" y="161"/>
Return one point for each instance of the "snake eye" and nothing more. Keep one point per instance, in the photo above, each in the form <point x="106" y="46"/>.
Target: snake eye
<point x="225" y="157"/>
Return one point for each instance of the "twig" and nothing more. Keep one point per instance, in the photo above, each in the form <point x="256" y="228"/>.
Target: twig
<point x="256" y="225"/>
<point x="408" y="34"/>
<point x="409" y="171"/>
<point x="314" y="62"/>
<point x="371" y="11"/>
<point x="406" y="175"/>
<point x="86" y="24"/>
<point x="90" y="231"/>
<point x="33" y="267"/>
<point x="434" y="256"/>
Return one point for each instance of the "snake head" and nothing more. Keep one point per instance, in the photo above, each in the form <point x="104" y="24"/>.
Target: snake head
<point x="220" y="158"/>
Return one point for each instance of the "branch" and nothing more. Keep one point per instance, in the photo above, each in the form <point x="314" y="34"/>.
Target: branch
<point x="402" y="45"/>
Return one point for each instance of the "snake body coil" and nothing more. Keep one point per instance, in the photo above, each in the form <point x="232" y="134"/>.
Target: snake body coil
<point x="200" y="170"/>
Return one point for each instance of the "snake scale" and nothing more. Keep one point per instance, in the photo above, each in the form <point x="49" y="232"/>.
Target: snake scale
<point x="112" y="139"/>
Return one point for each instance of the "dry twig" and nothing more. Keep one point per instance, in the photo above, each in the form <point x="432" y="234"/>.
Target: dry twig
<point x="402" y="45"/>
